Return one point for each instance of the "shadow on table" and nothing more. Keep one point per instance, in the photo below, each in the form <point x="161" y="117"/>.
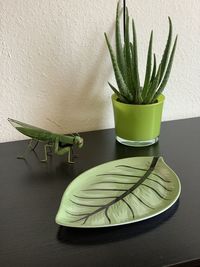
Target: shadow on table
<point x="98" y="236"/>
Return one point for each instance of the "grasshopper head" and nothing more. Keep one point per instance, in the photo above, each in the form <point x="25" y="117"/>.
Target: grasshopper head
<point x="78" y="141"/>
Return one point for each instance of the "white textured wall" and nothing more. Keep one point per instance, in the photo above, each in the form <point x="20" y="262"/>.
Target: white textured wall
<point x="54" y="63"/>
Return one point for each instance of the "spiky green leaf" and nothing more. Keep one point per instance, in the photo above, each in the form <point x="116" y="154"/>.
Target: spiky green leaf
<point x="135" y="55"/>
<point x="166" y="51"/>
<point x="119" y="95"/>
<point x="119" y="48"/>
<point x="128" y="53"/>
<point x="119" y="78"/>
<point x="137" y="90"/>
<point x="153" y="87"/>
<point x="133" y="83"/>
<point x="154" y="68"/>
<point x="167" y="73"/>
<point x="148" y="67"/>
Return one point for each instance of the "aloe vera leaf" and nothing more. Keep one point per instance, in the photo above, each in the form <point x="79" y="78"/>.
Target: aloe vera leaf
<point x="138" y="97"/>
<point x="137" y="90"/>
<point x="133" y="76"/>
<point x="153" y="75"/>
<point x="153" y="87"/>
<point x="119" y="48"/>
<point x="154" y="68"/>
<point x="119" y="78"/>
<point x="120" y="96"/>
<point x="167" y="73"/>
<point x="128" y="52"/>
<point x="167" y="50"/>
<point x="133" y="84"/>
<point x="148" y="67"/>
<point x="135" y="55"/>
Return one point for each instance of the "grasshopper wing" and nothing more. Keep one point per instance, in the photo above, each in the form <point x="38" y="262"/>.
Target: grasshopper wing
<point x="18" y="124"/>
<point x="31" y="131"/>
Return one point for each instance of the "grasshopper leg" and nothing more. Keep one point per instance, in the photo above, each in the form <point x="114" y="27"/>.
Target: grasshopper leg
<point x="50" y="152"/>
<point x="28" y="148"/>
<point x="34" y="147"/>
<point x="69" y="156"/>
<point x="45" y="152"/>
<point x="63" y="150"/>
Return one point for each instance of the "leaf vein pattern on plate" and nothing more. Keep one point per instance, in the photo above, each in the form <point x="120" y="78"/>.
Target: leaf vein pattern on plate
<point x="142" y="181"/>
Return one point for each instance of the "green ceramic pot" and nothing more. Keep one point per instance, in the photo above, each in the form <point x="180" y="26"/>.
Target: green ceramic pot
<point x="137" y="125"/>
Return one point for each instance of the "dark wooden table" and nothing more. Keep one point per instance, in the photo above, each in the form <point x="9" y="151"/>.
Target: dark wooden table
<point x="30" y="194"/>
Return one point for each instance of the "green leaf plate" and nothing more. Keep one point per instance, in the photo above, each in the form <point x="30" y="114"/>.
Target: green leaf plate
<point x="119" y="192"/>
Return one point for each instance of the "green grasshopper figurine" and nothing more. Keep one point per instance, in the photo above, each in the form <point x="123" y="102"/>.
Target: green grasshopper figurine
<point x="61" y="144"/>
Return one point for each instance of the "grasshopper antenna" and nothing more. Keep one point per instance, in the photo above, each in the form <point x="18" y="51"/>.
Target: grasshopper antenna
<point x="56" y="124"/>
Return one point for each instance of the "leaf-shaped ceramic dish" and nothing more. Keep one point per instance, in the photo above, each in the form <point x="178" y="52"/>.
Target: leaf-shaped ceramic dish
<point x="119" y="192"/>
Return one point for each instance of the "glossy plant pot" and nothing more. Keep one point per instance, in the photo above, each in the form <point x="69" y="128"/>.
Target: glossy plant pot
<point x="137" y="125"/>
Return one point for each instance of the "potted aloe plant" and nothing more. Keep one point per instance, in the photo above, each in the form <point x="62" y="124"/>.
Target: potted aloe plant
<point x="138" y="107"/>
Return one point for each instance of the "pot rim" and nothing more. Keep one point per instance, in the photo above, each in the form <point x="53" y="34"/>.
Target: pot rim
<point x="160" y="99"/>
